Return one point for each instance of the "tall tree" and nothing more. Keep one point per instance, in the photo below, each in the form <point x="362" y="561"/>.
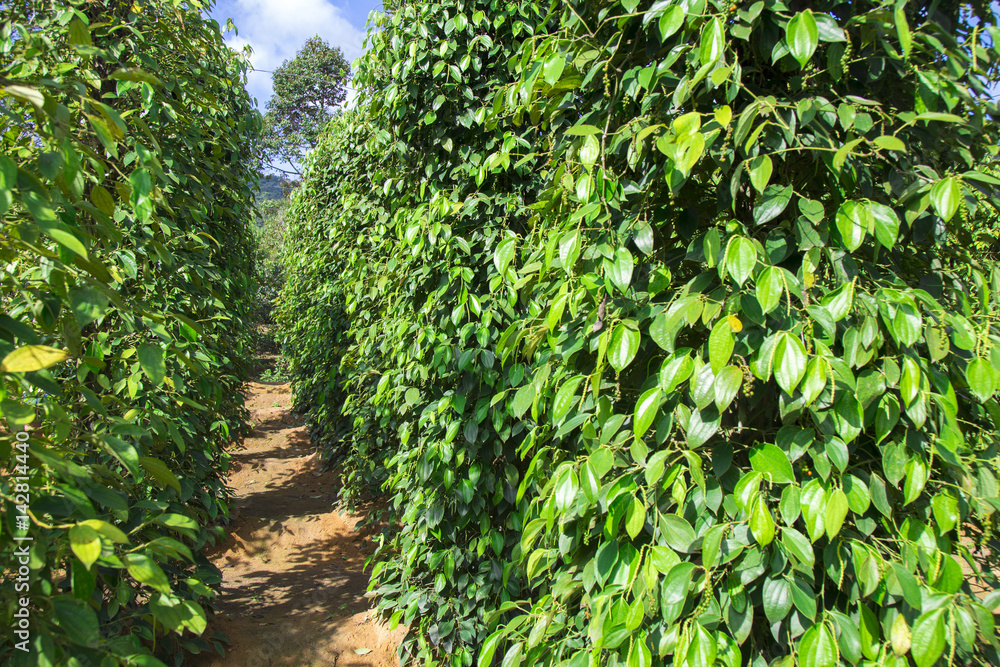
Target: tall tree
<point x="307" y="90"/>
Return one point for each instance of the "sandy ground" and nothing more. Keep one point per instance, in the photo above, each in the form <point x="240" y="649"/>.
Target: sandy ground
<point x="293" y="589"/>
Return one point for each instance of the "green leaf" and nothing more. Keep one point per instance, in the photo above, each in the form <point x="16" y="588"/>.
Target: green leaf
<point x="489" y="648"/>
<point x="789" y="361"/>
<point x="853" y="220"/>
<point x="886" y="224"/>
<point x="770" y="289"/>
<point x="741" y="258"/>
<point x="569" y="250"/>
<point x="411" y="396"/>
<point x="635" y="518"/>
<point x="565" y="398"/>
<point x="107" y="530"/>
<point x="646" y="410"/>
<point x="903" y="31"/>
<point x="85" y="543"/>
<point x="620" y="270"/>
<point x="889" y="143"/>
<point x="151" y="360"/>
<point x="815" y="379"/>
<point x="88" y="304"/>
<point x="675" y="371"/>
<point x="670" y="22"/>
<point x="590" y="151"/>
<point x="27" y="94"/>
<point x="836" y="512"/>
<point x="818" y="648"/>
<point x="624" y="345"/>
<point x="30" y="358"/>
<point x="590" y="482"/>
<point x="77" y="619"/>
<point x="702" y="425"/>
<point x="145" y="570"/>
<point x="945" y="196"/>
<point x="703" y="649"/>
<point x="178" y="614"/>
<point x="813" y="504"/>
<point x="727" y="383"/>
<point x="761" y="523"/>
<point x="798" y="545"/>
<point x="675" y="590"/>
<point x="642" y="236"/>
<point x="713" y="41"/>
<point x="773" y="203"/>
<point x="777" y="597"/>
<point x="523" y="398"/>
<point x="583" y="130"/>
<point x="567" y="487"/>
<point x="553" y="68"/>
<point x="503" y="255"/>
<point x="916" y="478"/>
<point x="840" y="301"/>
<point x="720" y="345"/>
<point x="802" y="36"/>
<point x="769" y="460"/>
<point x="981" y="378"/>
<point x="159" y="471"/>
<point x="513" y="657"/>
<point x="760" y="172"/>
<point x="928" y="640"/>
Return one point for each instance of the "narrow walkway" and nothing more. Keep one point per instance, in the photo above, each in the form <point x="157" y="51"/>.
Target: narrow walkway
<point x="293" y="586"/>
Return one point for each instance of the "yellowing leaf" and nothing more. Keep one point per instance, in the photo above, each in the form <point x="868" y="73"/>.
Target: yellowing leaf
<point x="31" y="358"/>
<point x="85" y="543"/>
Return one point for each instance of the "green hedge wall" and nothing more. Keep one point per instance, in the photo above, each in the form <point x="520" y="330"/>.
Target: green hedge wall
<point x="125" y="261"/>
<point x="655" y="326"/>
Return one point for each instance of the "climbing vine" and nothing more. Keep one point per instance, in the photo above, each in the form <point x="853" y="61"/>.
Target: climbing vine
<point x="128" y="149"/>
<point x="649" y="321"/>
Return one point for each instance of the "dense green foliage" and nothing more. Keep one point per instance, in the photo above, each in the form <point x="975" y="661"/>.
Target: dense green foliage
<point x="125" y="263"/>
<point x="656" y="324"/>
<point x="269" y="270"/>
<point x="307" y="89"/>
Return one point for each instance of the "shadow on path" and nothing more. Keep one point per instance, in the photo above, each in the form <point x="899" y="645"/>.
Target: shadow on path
<point x="293" y="590"/>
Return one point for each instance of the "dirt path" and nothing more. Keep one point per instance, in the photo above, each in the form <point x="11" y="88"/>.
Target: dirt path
<point x="293" y="587"/>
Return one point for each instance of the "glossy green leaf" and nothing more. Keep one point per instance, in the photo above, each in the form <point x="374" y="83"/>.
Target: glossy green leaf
<point x="741" y="258"/>
<point x="85" y="543"/>
<point x="760" y="169"/>
<point x="928" y="640"/>
<point x="623" y="347"/>
<point x="503" y="255"/>
<point x="720" y="345"/>
<point x="769" y="460"/>
<point x="853" y="220"/>
<point x="981" y="378"/>
<point x="770" y="289"/>
<point x="620" y="269"/>
<point x="945" y="196"/>
<point x="789" y="361"/>
<point x="802" y="36"/>
<point x="646" y="411"/>
<point x="713" y="42"/>
<point x="727" y="384"/>
<point x="152" y="362"/>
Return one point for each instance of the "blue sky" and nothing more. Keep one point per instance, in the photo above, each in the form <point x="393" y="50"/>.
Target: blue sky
<point x="276" y="29"/>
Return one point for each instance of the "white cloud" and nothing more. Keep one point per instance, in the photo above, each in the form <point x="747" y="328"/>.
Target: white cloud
<point x="276" y="29"/>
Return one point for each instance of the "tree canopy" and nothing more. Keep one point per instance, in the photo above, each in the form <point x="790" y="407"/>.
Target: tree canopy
<point x="307" y="90"/>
